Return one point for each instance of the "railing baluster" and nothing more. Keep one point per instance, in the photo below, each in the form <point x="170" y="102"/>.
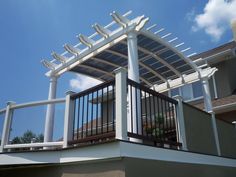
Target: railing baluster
<point x="163" y="120"/>
<point x="150" y="113"/>
<point x="97" y="114"/>
<point x="91" y="116"/>
<point x="82" y="131"/>
<point x="166" y="112"/>
<point x="141" y="107"/>
<point x="146" y="121"/>
<point x="154" y="110"/>
<point x="136" y="104"/>
<point x="87" y="115"/>
<point x="78" y="120"/>
<point x="107" y="108"/>
<point x="113" y="108"/>
<point x="102" y="113"/>
<point x="159" y="118"/>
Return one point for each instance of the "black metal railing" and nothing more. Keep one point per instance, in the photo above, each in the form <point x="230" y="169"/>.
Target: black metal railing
<point x="152" y="115"/>
<point x="94" y="113"/>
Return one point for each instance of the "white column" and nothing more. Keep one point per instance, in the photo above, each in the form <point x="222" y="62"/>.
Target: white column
<point x="49" y="122"/>
<point x="133" y="74"/>
<point x="180" y="124"/>
<point x="6" y="126"/>
<point x="209" y="109"/>
<point x="133" y="67"/>
<point x="68" y="119"/>
<point x="121" y="103"/>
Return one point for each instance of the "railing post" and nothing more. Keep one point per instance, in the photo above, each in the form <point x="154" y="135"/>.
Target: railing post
<point x="68" y="119"/>
<point x="7" y="125"/>
<point x="49" y="121"/>
<point x="121" y="103"/>
<point x="209" y="109"/>
<point x="180" y="125"/>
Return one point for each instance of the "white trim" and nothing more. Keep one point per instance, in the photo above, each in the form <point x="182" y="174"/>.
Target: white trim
<point x="111" y="151"/>
<point x="2" y="111"/>
<point x="153" y="153"/>
<point x="29" y="145"/>
<point x="38" y="103"/>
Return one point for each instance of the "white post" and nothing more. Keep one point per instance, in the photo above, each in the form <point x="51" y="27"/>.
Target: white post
<point x="133" y="67"/>
<point x="209" y="109"/>
<point x="7" y="125"/>
<point x="68" y="119"/>
<point x="49" y="122"/>
<point x="133" y="74"/>
<point x="180" y="124"/>
<point x="121" y="103"/>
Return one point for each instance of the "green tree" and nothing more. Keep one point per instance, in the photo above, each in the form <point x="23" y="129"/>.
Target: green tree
<point x="27" y="137"/>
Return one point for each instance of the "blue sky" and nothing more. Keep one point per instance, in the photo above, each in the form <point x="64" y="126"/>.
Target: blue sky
<point x="31" y="29"/>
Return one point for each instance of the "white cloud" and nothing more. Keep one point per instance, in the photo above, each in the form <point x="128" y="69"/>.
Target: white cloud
<point x="82" y="82"/>
<point x="216" y="17"/>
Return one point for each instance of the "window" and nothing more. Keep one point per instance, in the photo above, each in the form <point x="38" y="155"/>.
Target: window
<point x="188" y="92"/>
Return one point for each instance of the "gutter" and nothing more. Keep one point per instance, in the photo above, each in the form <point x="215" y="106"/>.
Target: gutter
<point x="216" y="56"/>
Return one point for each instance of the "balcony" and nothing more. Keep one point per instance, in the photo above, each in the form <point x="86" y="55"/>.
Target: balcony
<point x="102" y="113"/>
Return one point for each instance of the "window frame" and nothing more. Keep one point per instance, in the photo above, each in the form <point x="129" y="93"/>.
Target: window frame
<point x="191" y="93"/>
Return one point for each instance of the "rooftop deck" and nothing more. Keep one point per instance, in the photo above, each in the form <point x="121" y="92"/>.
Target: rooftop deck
<point x="91" y="117"/>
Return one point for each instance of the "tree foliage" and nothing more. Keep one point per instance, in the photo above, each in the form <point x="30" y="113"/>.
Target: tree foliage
<point x="27" y="137"/>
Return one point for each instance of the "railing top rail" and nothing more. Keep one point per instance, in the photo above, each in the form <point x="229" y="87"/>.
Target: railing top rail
<point x="92" y="89"/>
<point x="2" y="110"/>
<point x="153" y="92"/>
<point x="31" y="145"/>
<point x="38" y="103"/>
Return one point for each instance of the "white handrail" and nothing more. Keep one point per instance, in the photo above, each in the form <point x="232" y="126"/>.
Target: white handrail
<point x="38" y="103"/>
<point x="7" y="125"/>
<point x="32" y="145"/>
<point x="2" y="110"/>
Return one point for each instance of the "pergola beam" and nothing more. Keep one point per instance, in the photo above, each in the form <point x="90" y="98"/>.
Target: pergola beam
<point x="96" y="69"/>
<point x="160" y="60"/>
<point x="140" y="63"/>
<point x="118" y="66"/>
<point x="156" y="38"/>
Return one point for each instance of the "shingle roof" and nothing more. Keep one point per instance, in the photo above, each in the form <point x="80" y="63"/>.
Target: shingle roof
<point x="208" y="53"/>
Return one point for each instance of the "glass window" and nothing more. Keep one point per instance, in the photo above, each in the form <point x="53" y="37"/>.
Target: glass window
<point x="197" y="89"/>
<point x="186" y="92"/>
<point x="174" y="92"/>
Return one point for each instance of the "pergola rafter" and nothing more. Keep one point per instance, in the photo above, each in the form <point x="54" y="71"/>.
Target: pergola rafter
<point x="163" y="64"/>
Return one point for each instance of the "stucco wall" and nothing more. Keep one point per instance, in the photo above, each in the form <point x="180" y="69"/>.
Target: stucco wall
<point x="225" y="77"/>
<point x="227" y="138"/>
<point x="113" y="168"/>
<point x="153" y="168"/>
<point x="199" y="132"/>
<point x="125" y="167"/>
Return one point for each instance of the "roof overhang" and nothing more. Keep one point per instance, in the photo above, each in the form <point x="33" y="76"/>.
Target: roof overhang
<point x="162" y="64"/>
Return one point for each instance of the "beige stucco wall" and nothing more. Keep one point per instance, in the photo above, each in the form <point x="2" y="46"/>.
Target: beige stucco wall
<point x="225" y="77"/>
<point x="227" y="138"/>
<point x="199" y="132"/>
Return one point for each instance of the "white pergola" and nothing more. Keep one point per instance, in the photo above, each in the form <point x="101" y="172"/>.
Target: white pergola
<point x="152" y="58"/>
